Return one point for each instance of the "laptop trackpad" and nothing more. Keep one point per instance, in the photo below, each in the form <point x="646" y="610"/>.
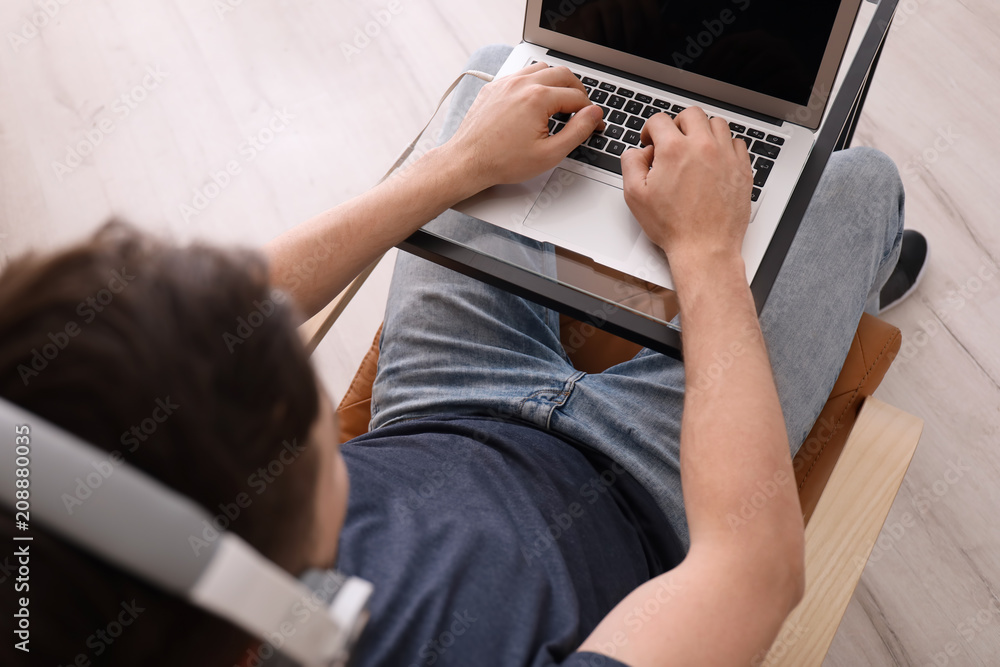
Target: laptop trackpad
<point x="585" y="213"/>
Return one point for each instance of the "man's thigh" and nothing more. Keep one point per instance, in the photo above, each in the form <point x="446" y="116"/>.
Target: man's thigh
<point x="843" y="253"/>
<point x="452" y="344"/>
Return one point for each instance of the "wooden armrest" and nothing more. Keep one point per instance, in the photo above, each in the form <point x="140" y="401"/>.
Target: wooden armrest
<point x="847" y="521"/>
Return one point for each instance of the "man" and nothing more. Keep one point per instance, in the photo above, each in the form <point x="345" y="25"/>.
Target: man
<point x="509" y="509"/>
<point x="452" y="346"/>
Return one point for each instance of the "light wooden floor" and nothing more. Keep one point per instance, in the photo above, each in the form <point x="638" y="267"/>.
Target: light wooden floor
<point x="933" y="108"/>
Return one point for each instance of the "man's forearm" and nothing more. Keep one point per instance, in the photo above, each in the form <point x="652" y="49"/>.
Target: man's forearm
<point x="690" y="190"/>
<point x="502" y="139"/>
<point x="734" y="446"/>
<point x="317" y="259"/>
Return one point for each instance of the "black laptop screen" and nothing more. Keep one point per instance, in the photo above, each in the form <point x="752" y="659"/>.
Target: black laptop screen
<point x="773" y="47"/>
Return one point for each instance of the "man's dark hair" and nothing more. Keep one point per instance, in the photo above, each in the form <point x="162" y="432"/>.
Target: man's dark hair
<point x="186" y="363"/>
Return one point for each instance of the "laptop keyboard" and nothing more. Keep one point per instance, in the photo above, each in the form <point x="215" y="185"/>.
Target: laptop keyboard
<point x="626" y="112"/>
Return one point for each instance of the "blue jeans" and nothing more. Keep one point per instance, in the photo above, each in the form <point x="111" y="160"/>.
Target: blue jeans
<point x="454" y="345"/>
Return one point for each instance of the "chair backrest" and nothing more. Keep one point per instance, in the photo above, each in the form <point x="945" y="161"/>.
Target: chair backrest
<point x="875" y="346"/>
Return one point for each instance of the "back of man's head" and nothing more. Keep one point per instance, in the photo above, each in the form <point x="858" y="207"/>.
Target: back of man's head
<point x="184" y="363"/>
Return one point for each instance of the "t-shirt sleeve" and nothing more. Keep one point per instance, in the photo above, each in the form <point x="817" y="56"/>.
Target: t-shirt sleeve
<point x="588" y="659"/>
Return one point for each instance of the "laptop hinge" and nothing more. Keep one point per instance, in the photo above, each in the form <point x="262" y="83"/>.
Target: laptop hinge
<point x="777" y="122"/>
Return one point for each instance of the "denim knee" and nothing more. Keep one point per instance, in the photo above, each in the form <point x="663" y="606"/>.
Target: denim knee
<point x="871" y="179"/>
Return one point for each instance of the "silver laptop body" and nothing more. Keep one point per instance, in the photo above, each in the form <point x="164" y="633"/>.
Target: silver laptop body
<point x="766" y="66"/>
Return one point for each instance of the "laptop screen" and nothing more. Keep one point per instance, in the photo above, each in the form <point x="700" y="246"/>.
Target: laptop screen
<point x="773" y="47"/>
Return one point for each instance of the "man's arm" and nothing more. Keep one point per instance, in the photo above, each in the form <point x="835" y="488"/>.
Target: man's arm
<point x="724" y="605"/>
<point x="503" y="139"/>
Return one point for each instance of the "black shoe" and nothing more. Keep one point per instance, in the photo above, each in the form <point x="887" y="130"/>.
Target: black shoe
<point x="908" y="273"/>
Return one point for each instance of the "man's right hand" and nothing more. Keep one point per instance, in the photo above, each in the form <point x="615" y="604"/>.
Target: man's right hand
<point x="690" y="186"/>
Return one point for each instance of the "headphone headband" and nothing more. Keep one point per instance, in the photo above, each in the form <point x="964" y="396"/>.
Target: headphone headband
<point x="134" y="522"/>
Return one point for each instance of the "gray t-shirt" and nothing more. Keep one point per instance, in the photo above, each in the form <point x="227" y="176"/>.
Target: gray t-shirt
<point x="492" y="543"/>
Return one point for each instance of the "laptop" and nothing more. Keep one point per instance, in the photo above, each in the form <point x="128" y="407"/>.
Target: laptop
<point x="766" y="66"/>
